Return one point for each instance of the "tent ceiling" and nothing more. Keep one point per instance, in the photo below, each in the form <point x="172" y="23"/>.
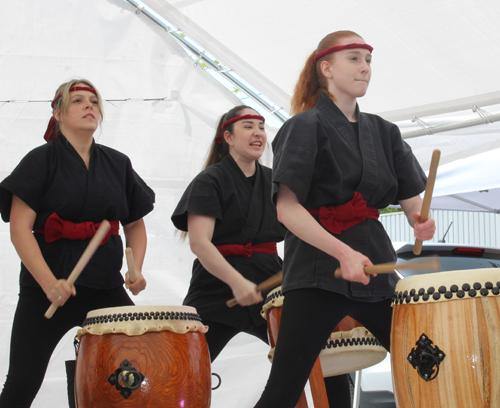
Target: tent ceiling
<point x="430" y="56"/>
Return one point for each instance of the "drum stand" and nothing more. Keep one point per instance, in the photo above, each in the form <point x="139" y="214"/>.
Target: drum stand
<point x="318" y="390"/>
<point x="357" y="390"/>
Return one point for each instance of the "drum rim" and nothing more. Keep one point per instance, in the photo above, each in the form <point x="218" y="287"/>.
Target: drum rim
<point x="140" y="309"/>
<point x="447" y="286"/>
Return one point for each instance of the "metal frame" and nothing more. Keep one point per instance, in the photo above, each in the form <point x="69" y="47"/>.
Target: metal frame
<point x="201" y="56"/>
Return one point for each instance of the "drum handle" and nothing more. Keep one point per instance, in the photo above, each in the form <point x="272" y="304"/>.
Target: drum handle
<point x="220" y="381"/>
<point x="82" y="262"/>
<point x="130" y="264"/>
<point x="390" y="267"/>
<point x="270" y="283"/>
<point x="426" y="204"/>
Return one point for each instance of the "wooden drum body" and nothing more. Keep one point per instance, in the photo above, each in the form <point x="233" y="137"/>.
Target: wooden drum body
<point x="350" y="347"/>
<point x="143" y="356"/>
<point x="445" y="340"/>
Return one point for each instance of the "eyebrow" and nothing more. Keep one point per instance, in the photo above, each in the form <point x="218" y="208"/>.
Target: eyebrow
<point x="251" y="121"/>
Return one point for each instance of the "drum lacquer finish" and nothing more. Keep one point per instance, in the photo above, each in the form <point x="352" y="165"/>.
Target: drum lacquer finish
<point x="445" y="340"/>
<point x="158" y="368"/>
<point x="350" y="347"/>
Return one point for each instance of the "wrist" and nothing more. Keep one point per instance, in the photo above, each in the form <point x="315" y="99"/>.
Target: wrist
<point x="48" y="283"/>
<point x="235" y="279"/>
<point x="341" y="252"/>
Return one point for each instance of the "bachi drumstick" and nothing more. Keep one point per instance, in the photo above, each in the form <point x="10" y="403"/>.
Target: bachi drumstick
<point x="270" y="283"/>
<point x="390" y="267"/>
<point x="426" y="204"/>
<point x="130" y="264"/>
<point x="82" y="262"/>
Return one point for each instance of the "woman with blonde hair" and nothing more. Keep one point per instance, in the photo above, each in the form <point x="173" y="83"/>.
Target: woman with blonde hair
<point x="55" y="199"/>
<point x="334" y="167"/>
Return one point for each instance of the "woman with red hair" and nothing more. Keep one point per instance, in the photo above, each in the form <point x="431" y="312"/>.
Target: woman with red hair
<point x="334" y="167"/>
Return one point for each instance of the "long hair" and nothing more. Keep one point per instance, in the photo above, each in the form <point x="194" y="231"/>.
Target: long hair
<point x="63" y="102"/>
<point x="219" y="150"/>
<point x="311" y="81"/>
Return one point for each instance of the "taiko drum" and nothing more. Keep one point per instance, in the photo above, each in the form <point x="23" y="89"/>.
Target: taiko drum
<point x="445" y="340"/>
<point x="143" y="356"/>
<point x="351" y="346"/>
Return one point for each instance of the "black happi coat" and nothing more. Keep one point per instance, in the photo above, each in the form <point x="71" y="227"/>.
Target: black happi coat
<point x="243" y="213"/>
<point x="54" y="178"/>
<point x="317" y="154"/>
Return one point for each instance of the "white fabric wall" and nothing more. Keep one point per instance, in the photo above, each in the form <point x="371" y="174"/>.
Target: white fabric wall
<point x="46" y="43"/>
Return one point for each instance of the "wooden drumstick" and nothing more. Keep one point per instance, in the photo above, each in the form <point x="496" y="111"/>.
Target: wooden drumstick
<point x="424" y="264"/>
<point x="270" y="283"/>
<point x="426" y="204"/>
<point x="130" y="264"/>
<point x="82" y="262"/>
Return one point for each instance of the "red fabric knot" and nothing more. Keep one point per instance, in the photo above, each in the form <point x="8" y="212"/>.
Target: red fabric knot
<point x="343" y="217"/>
<point x="247" y="250"/>
<point x="50" y="133"/>
<point x="56" y="228"/>
<point x="218" y="138"/>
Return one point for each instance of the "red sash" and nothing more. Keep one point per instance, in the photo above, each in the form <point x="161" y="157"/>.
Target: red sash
<point x="56" y="228"/>
<point x="343" y="217"/>
<point x="248" y="249"/>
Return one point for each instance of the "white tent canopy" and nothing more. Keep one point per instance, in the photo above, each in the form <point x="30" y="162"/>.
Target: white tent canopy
<point x="428" y="55"/>
<point x="470" y="184"/>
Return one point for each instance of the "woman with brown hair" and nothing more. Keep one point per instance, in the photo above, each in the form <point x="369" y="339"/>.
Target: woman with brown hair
<point x="233" y="230"/>
<point x="55" y="199"/>
<point x="334" y="167"/>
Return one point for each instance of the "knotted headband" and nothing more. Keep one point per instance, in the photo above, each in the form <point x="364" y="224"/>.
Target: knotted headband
<point x="50" y="133"/>
<point x="219" y="137"/>
<point x="341" y="47"/>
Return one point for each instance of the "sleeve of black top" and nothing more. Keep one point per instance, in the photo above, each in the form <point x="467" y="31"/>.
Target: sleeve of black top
<point x="411" y="177"/>
<point x="140" y="196"/>
<point x="27" y="182"/>
<point x="203" y="197"/>
<point x="295" y="151"/>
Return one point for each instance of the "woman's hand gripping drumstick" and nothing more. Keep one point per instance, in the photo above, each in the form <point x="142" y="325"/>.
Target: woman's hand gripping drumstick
<point x="426" y="204"/>
<point x="82" y="262"/>
<point x="268" y="284"/>
<point x="431" y="264"/>
<point x="131" y="276"/>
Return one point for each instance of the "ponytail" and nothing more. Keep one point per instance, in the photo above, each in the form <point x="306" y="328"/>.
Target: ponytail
<point x="308" y="87"/>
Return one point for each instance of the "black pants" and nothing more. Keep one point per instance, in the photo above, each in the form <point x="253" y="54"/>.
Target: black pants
<point x="308" y="318"/>
<point x="218" y="335"/>
<point x="34" y="338"/>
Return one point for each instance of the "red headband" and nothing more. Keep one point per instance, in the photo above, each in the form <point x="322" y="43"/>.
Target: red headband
<point x="73" y="88"/>
<point x="341" y="47"/>
<point x="50" y="133"/>
<point x="219" y="137"/>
